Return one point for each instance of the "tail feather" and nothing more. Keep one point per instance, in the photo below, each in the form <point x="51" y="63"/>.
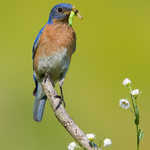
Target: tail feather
<point x="38" y="110"/>
<point x="40" y="100"/>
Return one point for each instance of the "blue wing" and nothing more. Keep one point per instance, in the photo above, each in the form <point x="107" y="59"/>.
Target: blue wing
<point x="35" y="45"/>
<point x="39" y="103"/>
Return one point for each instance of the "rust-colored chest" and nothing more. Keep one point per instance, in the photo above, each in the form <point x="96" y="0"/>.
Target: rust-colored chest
<point x="54" y="39"/>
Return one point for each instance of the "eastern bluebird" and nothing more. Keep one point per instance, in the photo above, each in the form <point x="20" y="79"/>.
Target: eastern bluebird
<point x="51" y="54"/>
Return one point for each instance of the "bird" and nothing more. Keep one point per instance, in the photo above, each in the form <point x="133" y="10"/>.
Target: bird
<point x="52" y="52"/>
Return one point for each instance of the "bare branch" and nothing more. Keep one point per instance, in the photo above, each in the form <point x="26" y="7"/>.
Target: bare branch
<point x="63" y="116"/>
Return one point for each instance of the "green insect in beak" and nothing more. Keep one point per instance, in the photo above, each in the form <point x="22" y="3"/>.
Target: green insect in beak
<point x="73" y="13"/>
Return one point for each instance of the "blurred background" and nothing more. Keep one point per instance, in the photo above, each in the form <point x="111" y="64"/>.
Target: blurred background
<point x="113" y="43"/>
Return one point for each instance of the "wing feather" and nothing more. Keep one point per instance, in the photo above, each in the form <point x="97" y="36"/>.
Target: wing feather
<point x="35" y="45"/>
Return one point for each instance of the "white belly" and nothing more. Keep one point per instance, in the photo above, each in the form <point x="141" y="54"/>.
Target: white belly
<point x="55" y="65"/>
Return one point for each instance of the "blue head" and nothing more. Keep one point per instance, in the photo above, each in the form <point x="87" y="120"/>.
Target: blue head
<point x="60" y="12"/>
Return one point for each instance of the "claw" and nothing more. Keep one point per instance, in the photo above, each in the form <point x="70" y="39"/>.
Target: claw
<point x="57" y="96"/>
<point x="60" y="102"/>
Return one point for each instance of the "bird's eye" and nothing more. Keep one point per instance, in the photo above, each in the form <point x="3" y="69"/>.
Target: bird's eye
<point x="60" y="9"/>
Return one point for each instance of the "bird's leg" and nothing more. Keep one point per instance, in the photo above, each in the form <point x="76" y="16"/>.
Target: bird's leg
<point x="61" y="91"/>
<point x="46" y="76"/>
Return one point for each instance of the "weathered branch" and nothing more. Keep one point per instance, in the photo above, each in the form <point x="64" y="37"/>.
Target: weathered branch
<point x="63" y="116"/>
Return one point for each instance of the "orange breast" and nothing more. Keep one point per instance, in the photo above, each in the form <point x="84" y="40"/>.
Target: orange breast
<point x="54" y="38"/>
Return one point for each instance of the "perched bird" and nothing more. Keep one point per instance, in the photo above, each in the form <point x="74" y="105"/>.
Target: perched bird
<point x="51" y="54"/>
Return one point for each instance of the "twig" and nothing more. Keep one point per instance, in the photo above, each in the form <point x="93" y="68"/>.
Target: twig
<point x="63" y="116"/>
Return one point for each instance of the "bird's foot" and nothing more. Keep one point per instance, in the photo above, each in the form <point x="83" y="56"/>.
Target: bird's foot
<point x="60" y="102"/>
<point x="46" y="77"/>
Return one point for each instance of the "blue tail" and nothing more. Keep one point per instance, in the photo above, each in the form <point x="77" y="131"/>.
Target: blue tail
<point x="39" y="102"/>
<point x="39" y="105"/>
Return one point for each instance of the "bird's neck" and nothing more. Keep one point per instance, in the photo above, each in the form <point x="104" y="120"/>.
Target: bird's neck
<point x="59" y="21"/>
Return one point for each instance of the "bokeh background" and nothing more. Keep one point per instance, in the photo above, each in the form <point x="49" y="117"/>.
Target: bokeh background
<point x="113" y="43"/>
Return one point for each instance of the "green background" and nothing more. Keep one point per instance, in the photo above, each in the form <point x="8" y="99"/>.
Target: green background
<point x="113" y="43"/>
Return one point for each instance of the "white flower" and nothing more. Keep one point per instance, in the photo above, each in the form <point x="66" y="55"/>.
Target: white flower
<point x="91" y="136"/>
<point x="107" y="142"/>
<point x="72" y="146"/>
<point x="126" y="82"/>
<point x="124" y="104"/>
<point x="135" y="92"/>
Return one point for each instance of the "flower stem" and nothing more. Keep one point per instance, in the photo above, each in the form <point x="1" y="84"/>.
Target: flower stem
<point x="138" y="142"/>
<point x="136" y="113"/>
